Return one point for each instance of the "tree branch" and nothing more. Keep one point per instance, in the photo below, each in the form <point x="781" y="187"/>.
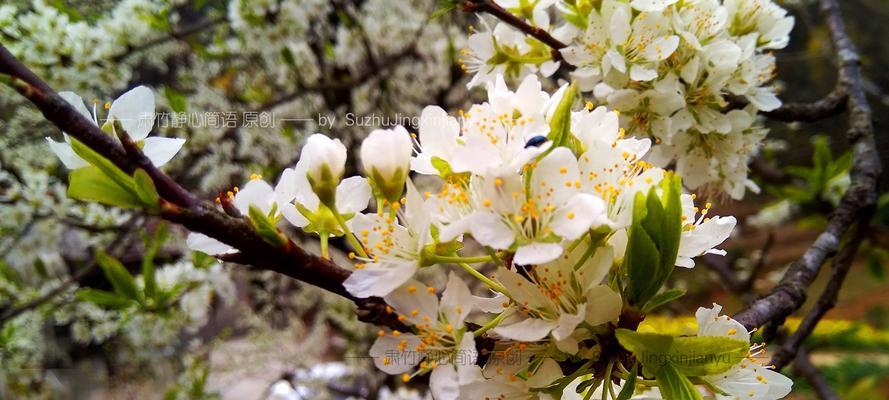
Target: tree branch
<point x="180" y="206"/>
<point x="857" y="205"/>
<point x="490" y="7"/>
<point x="802" y="365"/>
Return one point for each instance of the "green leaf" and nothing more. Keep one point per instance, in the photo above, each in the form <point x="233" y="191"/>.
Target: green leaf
<point x="651" y="349"/>
<point x="104" y="298"/>
<point x="560" y="124"/>
<point x="444" y="7"/>
<point x="91" y="184"/>
<point x="178" y="101"/>
<point x="706" y="355"/>
<point x="653" y="240"/>
<point x="629" y="387"/>
<point x="265" y="227"/>
<point x="674" y="385"/>
<point x="152" y="246"/>
<point x="146" y="190"/>
<point x="663" y="298"/>
<point x="123" y="283"/>
<point x="105" y="165"/>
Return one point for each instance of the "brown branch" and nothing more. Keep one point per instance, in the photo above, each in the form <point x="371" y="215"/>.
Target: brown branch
<point x="802" y="365"/>
<point x="180" y="206"/>
<point x="178" y="35"/>
<point x="857" y="205"/>
<point x="833" y="104"/>
<point x="490" y="7"/>
<point x="828" y="299"/>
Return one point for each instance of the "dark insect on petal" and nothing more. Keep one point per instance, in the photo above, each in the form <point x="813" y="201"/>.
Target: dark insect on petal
<point x="535" y="141"/>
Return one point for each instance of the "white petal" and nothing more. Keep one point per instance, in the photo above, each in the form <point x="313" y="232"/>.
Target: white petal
<point x="642" y="74"/>
<point x="378" y="279"/>
<point x="528" y="330"/>
<point x="161" y="150"/>
<point x="135" y="111"/>
<point x="582" y="212"/>
<point x="489" y="230"/>
<point x="257" y="193"/>
<point x="412" y="300"/>
<point x="389" y="359"/>
<point x="456" y="301"/>
<point x="66" y="154"/>
<point x="568" y="322"/>
<point x="443" y="383"/>
<point x="206" y="244"/>
<point x="603" y="305"/>
<point x="352" y="195"/>
<point x="78" y="104"/>
<point x="537" y="253"/>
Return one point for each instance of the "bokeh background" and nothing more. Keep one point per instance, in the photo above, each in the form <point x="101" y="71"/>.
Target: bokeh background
<point x="245" y="82"/>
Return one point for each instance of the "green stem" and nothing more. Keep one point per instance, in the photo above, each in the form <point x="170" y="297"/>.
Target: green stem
<point x="458" y="259"/>
<point x="607" y="383"/>
<point x="349" y="236"/>
<point x="474" y="272"/>
<point x="493" y="323"/>
<point x="324" y="238"/>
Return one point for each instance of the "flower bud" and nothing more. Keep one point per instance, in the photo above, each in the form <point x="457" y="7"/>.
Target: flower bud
<point x="386" y="156"/>
<point x="324" y="160"/>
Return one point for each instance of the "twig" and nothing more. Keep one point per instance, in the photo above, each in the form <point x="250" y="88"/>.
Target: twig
<point x="857" y="205"/>
<point x="841" y="264"/>
<point x="802" y="365"/>
<point x="502" y="14"/>
<point x="178" y="35"/>
<point x="180" y="206"/>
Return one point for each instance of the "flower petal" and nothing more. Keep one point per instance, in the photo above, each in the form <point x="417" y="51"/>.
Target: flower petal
<point x="161" y="150"/>
<point x="537" y="253"/>
<point x="135" y="111"/>
<point x="528" y="330"/>
<point x="206" y="244"/>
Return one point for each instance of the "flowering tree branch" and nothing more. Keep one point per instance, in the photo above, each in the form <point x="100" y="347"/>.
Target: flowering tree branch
<point x="490" y="7"/>
<point x="180" y="206"/>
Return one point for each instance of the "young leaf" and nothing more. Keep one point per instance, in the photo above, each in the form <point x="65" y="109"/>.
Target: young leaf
<point x="560" y="124"/>
<point x="663" y="298"/>
<point x="103" y="298"/>
<point x="105" y="165"/>
<point x="706" y="355"/>
<point x="674" y="385"/>
<point x="651" y="349"/>
<point x="629" y="387"/>
<point x="178" y="101"/>
<point x="91" y="184"/>
<point x="146" y="190"/>
<point x="264" y="227"/>
<point x="123" y="283"/>
<point x="152" y="246"/>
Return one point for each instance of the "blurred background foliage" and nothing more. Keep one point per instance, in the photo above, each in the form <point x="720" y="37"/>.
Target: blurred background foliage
<point x="152" y="320"/>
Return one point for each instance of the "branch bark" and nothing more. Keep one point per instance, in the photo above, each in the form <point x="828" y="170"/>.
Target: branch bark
<point x="180" y="206"/>
<point x="856" y="206"/>
<point x="490" y="7"/>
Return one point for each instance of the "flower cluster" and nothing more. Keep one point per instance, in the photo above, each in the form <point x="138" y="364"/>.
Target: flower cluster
<point x="579" y="231"/>
<point x="678" y="71"/>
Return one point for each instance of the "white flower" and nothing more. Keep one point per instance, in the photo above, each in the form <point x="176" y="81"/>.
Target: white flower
<point x="134" y="110"/>
<point x="559" y="296"/>
<point x="504" y="384"/>
<point x="323" y="159"/>
<point x="536" y="220"/>
<point x="302" y="208"/>
<point x="652" y="5"/>
<point x="748" y="379"/>
<point x="394" y="251"/>
<point x="441" y="344"/>
<point x="257" y="193"/>
<point x="701" y="235"/>
<point x="439" y="137"/>
<point x="386" y="156"/>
